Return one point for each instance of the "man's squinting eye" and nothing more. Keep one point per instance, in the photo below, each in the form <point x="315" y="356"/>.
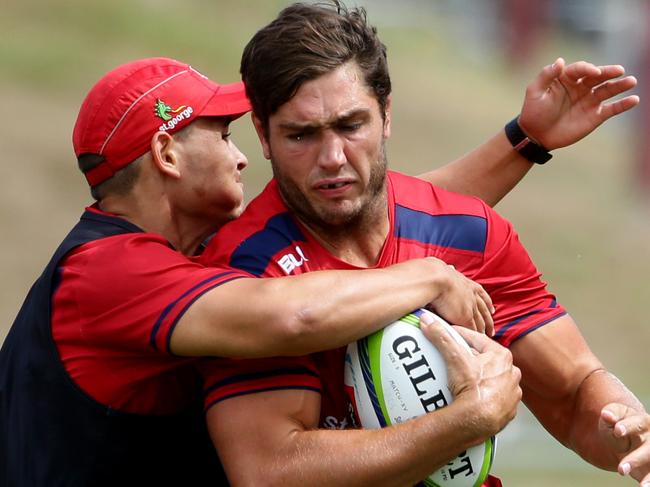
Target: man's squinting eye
<point x="300" y="136"/>
<point x="350" y="127"/>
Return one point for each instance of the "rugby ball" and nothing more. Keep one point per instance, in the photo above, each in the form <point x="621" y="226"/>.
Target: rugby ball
<point x="396" y="374"/>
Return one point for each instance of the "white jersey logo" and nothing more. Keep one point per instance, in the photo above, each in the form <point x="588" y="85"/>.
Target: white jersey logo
<point x="289" y="261"/>
<point x="333" y="423"/>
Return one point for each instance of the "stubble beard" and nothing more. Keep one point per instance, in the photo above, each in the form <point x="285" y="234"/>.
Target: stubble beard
<point x="338" y="222"/>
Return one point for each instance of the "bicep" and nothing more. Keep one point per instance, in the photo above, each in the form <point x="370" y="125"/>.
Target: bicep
<point x="253" y="433"/>
<point x="236" y="319"/>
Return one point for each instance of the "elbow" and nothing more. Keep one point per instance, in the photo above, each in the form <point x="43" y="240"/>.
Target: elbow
<point x="299" y="331"/>
<point x="296" y="323"/>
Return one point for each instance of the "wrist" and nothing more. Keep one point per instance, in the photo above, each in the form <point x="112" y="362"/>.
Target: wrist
<point x="478" y="426"/>
<point x="439" y="277"/>
<point x="526" y="146"/>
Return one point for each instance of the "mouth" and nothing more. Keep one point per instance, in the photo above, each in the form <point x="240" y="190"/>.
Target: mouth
<point x="336" y="185"/>
<point x="333" y="184"/>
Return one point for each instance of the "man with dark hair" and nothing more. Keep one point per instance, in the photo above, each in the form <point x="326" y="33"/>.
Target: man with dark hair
<point x="318" y="81"/>
<point x="97" y="381"/>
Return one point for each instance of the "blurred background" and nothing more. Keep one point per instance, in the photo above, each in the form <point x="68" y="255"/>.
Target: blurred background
<point x="459" y="68"/>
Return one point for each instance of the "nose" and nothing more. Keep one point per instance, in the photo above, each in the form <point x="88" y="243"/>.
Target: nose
<point x="240" y="157"/>
<point x="332" y="154"/>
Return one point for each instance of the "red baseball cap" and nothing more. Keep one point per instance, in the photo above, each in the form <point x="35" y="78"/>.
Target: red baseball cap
<point x="135" y="100"/>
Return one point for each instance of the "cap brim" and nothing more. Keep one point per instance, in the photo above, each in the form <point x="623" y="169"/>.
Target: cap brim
<point x="229" y="101"/>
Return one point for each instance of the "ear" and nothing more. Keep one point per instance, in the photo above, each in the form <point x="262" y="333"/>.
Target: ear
<point x="262" y="135"/>
<point x="387" y="117"/>
<point x="164" y="154"/>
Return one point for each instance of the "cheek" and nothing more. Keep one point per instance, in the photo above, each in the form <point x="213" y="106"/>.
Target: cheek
<point x="363" y="156"/>
<point x="290" y="164"/>
<point x="224" y="166"/>
<point x="293" y="156"/>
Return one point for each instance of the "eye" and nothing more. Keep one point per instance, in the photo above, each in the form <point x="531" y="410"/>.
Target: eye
<point x="297" y="137"/>
<point x="350" y="127"/>
<point x="226" y="135"/>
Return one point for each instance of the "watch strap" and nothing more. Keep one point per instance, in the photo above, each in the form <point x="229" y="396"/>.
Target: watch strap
<point x="528" y="148"/>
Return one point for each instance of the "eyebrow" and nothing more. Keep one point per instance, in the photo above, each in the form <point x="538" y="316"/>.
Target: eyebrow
<point x="310" y="127"/>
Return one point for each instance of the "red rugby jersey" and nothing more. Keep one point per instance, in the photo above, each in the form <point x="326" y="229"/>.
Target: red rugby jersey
<point x="117" y="302"/>
<point x="424" y="221"/>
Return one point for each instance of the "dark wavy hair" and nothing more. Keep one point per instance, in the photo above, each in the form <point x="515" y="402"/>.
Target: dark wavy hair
<point x="305" y="42"/>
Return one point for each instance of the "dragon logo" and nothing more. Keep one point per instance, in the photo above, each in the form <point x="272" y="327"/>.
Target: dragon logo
<point x="162" y="110"/>
<point x="171" y="116"/>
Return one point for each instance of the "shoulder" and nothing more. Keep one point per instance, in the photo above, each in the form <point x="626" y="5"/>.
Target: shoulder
<point x="420" y="195"/>
<point x="264" y="230"/>
<point x="128" y="249"/>
<point x="135" y="282"/>
<point x="132" y="263"/>
<point x="432" y="215"/>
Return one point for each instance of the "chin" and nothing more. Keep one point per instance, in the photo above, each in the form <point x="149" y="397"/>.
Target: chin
<point x="222" y="215"/>
<point x="337" y="219"/>
<point x="239" y="209"/>
<point x="232" y="214"/>
<point x="341" y="213"/>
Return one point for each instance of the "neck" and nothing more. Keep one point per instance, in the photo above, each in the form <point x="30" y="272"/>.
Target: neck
<point x="183" y="232"/>
<point x="358" y="242"/>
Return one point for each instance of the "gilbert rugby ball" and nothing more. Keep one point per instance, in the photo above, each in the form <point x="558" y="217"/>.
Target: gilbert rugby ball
<point x="396" y="374"/>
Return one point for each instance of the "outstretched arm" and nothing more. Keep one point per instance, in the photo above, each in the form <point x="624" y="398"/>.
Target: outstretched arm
<point x="271" y="438"/>
<point x="297" y="315"/>
<point x="563" y="104"/>
<point x="585" y="407"/>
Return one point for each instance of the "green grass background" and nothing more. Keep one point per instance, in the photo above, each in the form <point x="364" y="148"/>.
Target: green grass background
<point x="580" y="216"/>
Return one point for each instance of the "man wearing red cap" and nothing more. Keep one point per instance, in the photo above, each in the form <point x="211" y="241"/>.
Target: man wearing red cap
<point x="97" y="383"/>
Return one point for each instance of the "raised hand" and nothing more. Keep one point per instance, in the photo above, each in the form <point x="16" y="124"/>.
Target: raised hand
<point x="564" y="103"/>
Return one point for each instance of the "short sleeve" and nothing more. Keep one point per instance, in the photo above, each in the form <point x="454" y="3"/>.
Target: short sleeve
<point x="228" y="378"/>
<point x="133" y="305"/>
<point x="115" y="306"/>
<point x="522" y="300"/>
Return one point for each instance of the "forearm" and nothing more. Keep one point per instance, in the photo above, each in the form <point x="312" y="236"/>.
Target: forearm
<point x="401" y="455"/>
<point x="598" y="390"/>
<point x="562" y="105"/>
<point x="298" y="315"/>
<point x="489" y="172"/>
<point x="566" y="387"/>
<point x="270" y="438"/>
<point x="332" y="309"/>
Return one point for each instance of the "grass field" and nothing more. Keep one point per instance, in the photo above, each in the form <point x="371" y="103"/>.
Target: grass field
<point x="579" y="216"/>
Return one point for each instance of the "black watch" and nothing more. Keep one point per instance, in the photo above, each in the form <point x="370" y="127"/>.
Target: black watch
<point x="529" y="149"/>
